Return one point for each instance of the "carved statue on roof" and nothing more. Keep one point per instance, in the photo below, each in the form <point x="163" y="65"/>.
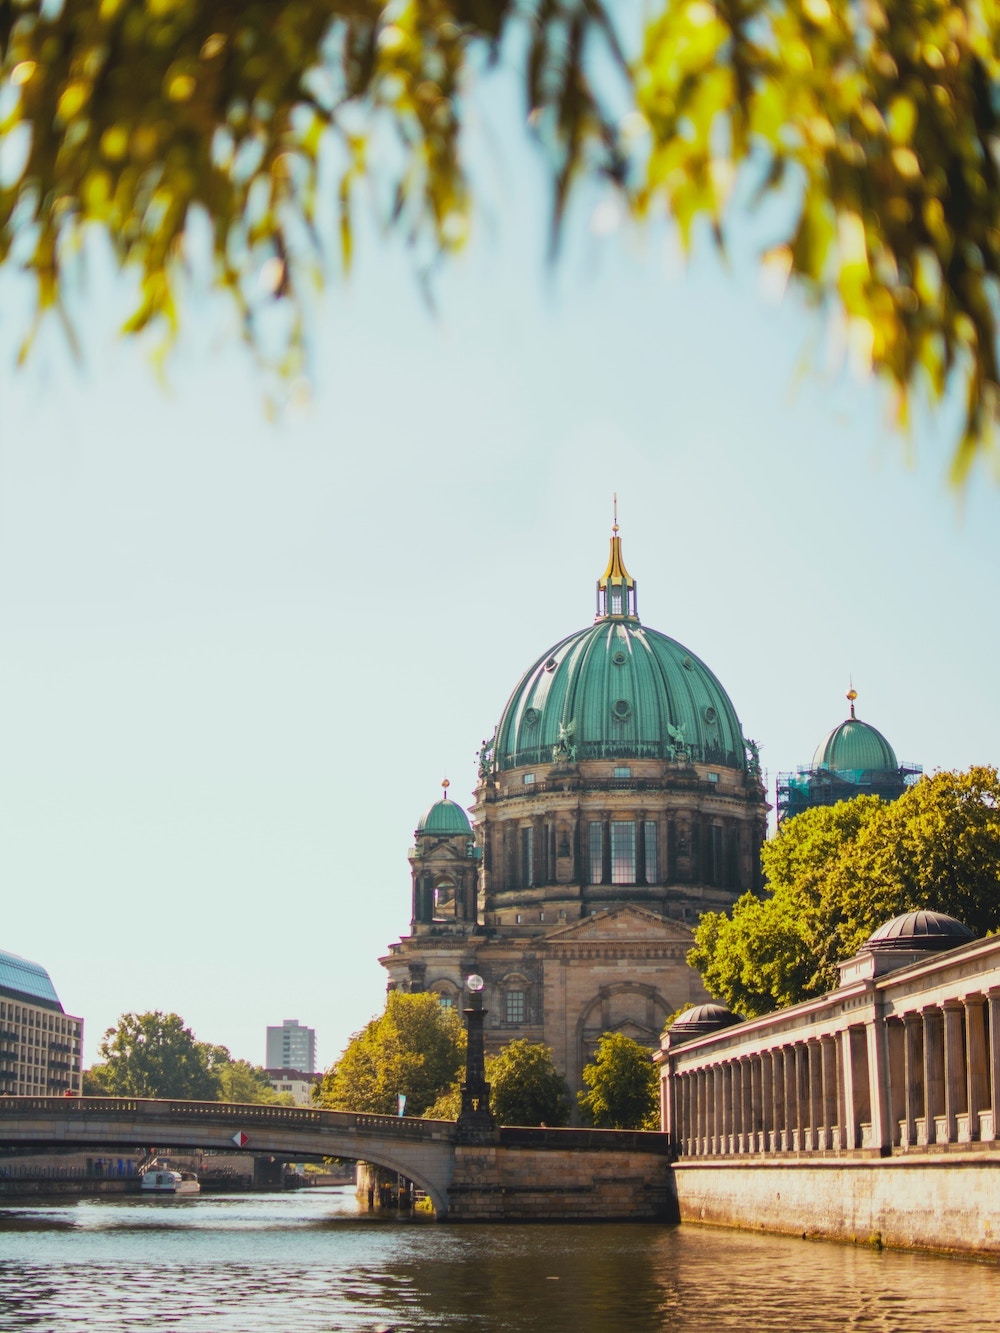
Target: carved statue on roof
<point x="564" y="750"/>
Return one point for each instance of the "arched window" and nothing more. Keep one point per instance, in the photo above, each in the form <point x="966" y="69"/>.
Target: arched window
<point x="445" y="900"/>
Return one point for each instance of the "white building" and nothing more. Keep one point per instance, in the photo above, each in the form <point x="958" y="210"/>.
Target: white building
<point x="291" y="1046"/>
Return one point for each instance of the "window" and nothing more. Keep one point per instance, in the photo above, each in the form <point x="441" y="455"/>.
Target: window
<point x="514" y="1006"/>
<point x="652" y="857"/>
<point x="528" y="857"/>
<point x="623" y="772"/>
<point x="596" y="845"/>
<point x="713" y="777"/>
<point x="446" y="1001"/>
<point x="445" y="900"/>
<point x="528" y="779"/>
<point x="622" y="852"/>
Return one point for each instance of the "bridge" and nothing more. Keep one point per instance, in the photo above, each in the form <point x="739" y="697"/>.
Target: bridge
<point x="513" y="1173"/>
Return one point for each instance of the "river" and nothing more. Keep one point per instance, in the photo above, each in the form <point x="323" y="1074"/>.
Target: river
<point x="311" y="1262"/>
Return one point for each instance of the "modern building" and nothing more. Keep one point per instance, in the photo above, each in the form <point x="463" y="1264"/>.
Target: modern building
<point x="40" y="1044"/>
<point x="855" y="759"/>
<point x="291" y="1046"/>
<point x="616" y="801"/>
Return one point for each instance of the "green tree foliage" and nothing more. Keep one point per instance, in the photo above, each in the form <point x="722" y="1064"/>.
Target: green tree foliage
<point x="622" y="1086"/>
<point x="416" y="1047"/>
<point x="525" y="1088"/>
<point x="154" y="1055"/>
<point x="258" y="125"/>
<point x="240" y="1081"/>
<point x="836" y="873"/>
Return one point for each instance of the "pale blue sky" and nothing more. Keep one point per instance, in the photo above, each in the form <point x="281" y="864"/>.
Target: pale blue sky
<point x="238" y="657"/>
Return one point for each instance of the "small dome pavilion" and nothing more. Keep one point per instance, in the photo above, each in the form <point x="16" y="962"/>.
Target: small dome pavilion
<point x="854" y="759"/>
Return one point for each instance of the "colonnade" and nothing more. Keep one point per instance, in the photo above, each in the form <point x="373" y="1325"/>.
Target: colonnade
<point x="907" y="1080"/>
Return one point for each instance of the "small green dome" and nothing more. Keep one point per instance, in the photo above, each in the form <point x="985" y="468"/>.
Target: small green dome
<point x="855" y="746"/>
<point x="445" y="819"/>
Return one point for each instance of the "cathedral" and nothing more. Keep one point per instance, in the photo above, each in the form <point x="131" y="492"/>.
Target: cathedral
<point x="617" y="800"/>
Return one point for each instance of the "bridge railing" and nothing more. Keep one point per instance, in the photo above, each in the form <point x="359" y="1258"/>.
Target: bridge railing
<point x="288" y="1117"/>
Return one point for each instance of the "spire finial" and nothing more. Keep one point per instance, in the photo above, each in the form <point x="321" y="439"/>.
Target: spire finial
<point x="616" y="586"/>
<point x="445" y="784"/>
<point x="852" y="694"/>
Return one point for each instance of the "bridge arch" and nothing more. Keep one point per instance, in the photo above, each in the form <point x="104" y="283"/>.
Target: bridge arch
<point x="421" y="1150"/>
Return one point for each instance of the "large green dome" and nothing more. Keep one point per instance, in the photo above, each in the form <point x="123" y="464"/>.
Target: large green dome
<point x="855" y="746"/>
<point x="618" y="690"/>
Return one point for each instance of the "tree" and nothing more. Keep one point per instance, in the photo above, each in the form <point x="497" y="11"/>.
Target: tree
<point x="240" y="1081"/>
<point x="256" y="126"/>
<point x="525" y="1088"/>
<point x="154" y="1055"/>
<point x="836" y="873"/>
<point x="415" y="1047"/>
<point x="622" y="1086"/>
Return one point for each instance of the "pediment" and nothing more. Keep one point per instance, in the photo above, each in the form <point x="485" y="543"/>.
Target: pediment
<point x="617" y="924"/>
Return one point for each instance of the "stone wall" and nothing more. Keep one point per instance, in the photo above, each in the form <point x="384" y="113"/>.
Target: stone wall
<point x="522" y="1184"/>
<point x="943" y="1202"/>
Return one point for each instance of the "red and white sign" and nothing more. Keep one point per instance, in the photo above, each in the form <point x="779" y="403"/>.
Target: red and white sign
<point x="241" y="1139"/>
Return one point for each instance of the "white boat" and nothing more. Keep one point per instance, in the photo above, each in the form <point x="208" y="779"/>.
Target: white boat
<point x="158" y="1181"/>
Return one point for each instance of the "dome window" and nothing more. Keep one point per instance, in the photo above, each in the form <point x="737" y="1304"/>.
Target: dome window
<point x="531" y="716"/>
<point x="550" y="665"/>
<point x="687" y="664"/>
<point x="619" y="657"/>
<point x="621" y="710"/>
<point x="710" y="715"/>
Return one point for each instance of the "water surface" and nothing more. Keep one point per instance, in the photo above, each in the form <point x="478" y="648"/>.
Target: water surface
<point x="310" y="1262"/>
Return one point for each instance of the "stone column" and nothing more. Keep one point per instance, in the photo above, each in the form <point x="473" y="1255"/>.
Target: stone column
<point x="878" y="1084"/>
<point x="854" y="1073"/>
<point x="802" y="1092"/>
<point x="719" y="1130"/>
<point x="748" y="1068"/>
<point x="933" y="1068"/>
<point x="828" y="1067"/>
<point x="816" y="1121"/>
<point x="913" y="1075"/>
<point x="993" y="997"/>
<point x="895" y="1042"/>
<point x="703" y="1108"/>
<point x="727" y="1106"/>
<point x="954" y="1067"/>
<point x="791" y="1120"/>
<point x="757" y="1118"/>
<point x="977" y="1084"/>
<point x="778" y="1100"/>
<point x="766" y="1099"/>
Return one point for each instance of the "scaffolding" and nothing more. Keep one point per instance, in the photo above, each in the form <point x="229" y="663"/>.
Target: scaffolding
<point x="809" y="787"/>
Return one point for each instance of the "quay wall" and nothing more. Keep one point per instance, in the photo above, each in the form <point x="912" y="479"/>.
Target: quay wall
<point x="522" y="1184"/>
<point x="946" y="1202"/>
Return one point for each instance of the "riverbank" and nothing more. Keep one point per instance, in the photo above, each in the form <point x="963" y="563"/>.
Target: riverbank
<point x="943" y="1203"/>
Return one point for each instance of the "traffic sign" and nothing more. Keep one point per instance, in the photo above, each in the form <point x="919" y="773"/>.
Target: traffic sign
<point x="241" y="1139"/>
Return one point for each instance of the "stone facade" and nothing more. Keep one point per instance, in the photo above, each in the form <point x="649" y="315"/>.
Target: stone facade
<point x="872" y="1111"/>
<point x="616" y="802"/>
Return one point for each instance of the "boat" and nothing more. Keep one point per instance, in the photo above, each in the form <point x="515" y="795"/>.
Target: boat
<point x="159" y="1181"/>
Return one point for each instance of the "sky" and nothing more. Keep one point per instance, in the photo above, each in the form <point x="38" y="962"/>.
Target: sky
<point x="238" y="655"/>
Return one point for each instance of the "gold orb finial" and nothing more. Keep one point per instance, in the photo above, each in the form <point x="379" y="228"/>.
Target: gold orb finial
<point x="852" y="694"/>
<point x="445" y="784"/>
<point x="614" y="525"/>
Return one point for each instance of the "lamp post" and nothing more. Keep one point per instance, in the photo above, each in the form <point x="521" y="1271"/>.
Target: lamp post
<point x="475" y="1119"/>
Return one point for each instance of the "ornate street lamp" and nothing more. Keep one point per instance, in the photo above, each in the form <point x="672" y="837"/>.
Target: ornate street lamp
<point x="475" y="1120"/>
